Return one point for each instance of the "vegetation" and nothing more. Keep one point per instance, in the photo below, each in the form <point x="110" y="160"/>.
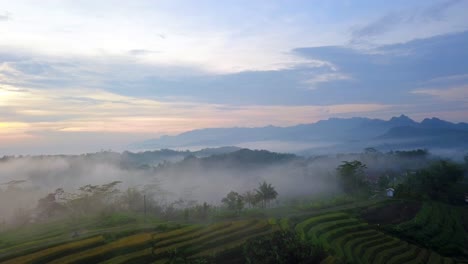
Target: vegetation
<point x="266" y="193"/>
<point x="234" y="201"/>
<point x="434" y="182"/>
<point x="352" y="177"/>
<point x="354" y="241"/>
<point x="437" y="226"/>
<point x="281" y="247"/>
<point x="104" y="224"/>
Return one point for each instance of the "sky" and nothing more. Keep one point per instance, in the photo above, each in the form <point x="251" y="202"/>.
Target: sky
<point x="83" y="75"/>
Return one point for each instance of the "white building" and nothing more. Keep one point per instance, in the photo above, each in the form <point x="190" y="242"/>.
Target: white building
<point x="390" y="192"/>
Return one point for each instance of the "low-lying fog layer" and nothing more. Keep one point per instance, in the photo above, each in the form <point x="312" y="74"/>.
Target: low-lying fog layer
<point x="202" y="179"/>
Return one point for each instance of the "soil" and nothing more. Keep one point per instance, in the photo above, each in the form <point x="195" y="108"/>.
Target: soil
<point x="394" y="213"/>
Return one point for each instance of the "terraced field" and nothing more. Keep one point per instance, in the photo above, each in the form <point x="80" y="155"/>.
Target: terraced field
<point x="434" y="228"/>
<point x="147" y="247"/>
<point x="354" y="241"/>
<point x="438" y="226"/>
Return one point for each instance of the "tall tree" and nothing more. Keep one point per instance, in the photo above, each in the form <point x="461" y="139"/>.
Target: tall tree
<point x="250" y="198"/>
<point x="351" y="175"/>
<point x="234" y="201"/>
<point x="266" y="192"/>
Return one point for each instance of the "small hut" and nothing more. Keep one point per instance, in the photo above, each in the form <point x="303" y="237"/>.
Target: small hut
<point x="390" y="192"/>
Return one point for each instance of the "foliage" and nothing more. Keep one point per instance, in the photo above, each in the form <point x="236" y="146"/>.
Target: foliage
<point x="433" y="182"/>
<point x="437" y="226"/>
<point x="352" y="177"/>
<point x="265" y="193"/>
<point x="384" y="182"/>
<point x="353" y="241"/>
<point x="251" y="198"/>
<point x="281" y="247"/>
<point x="417" y="153"/>
<point x="234" y="201"/>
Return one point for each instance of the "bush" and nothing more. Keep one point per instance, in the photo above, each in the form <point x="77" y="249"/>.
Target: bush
<point x="281" y="247"/>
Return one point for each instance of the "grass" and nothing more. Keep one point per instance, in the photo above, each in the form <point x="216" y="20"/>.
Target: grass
<point x="128" y="239"/>
<point x="123" y="245"/>
<point x="210" y="241"/>
<point x="51" y="252"/>
<point x="437" y="226"/>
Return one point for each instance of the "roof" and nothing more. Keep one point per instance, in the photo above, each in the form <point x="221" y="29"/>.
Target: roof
<point x="390" y="189"/>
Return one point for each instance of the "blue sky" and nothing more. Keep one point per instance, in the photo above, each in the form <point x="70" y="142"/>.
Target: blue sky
<point x="85" y="75"/>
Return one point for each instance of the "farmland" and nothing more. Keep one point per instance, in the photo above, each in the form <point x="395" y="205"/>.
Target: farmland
<point x="342" y="233"/>
<point x="143" y="246"/>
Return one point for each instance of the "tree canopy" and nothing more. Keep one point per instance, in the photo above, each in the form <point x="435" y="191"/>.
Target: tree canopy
<point x="351" y="176"/>
<point x="265" y="193"/>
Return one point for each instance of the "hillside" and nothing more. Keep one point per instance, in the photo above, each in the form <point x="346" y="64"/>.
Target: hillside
<point x="344" y="134"/>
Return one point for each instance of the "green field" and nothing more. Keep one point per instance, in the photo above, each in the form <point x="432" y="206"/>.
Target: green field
<point x="429" y="237"/>
<point x="141" y="247"/>
<point x="353" y="240"/>
<point x="437" y="226"/>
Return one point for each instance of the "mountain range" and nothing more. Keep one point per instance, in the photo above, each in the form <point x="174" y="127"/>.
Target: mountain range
<point x="325" y="136"/>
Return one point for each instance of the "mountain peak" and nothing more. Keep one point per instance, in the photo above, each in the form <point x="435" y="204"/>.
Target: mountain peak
<point x="436" y="123"/>
<point x="402" y="120"/>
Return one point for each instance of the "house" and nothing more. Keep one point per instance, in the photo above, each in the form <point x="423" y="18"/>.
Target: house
<point x="390" y="192"/>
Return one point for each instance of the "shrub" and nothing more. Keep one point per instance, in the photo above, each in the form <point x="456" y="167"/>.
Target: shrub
<point x="281" y="247"/>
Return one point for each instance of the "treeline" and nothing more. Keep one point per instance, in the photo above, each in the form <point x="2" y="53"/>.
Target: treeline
<point x="440" y="179"/>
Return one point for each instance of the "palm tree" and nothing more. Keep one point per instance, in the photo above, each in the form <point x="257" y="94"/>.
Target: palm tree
<point x="265" y="193"/>
<point x="250" y="198"/>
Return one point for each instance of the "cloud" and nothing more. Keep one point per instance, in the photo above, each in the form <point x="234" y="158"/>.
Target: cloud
<point x="326" y="77"/>
<point x="333" y="75"/>
<point x="403" y="18"/>
<point x="438" y="10"/>
<point x="388" y="74"/>
<point x="5" y="16"/>
<point x="452" y="94"/>
<point x="81" y="118"/>
<point x="141" y="52"/>
<point x="450" y="79"/>
<point x="377" y="27"/>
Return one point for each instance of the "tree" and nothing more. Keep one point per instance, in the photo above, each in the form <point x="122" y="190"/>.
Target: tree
<point x="133" y="200"/>
<point x="250" y="198"/>
<point x="234" y="201"/>
<point x="93" y="198"/>
<point x="434" y="181"/>
<point x="265" y="193"/>
<point x="371" y="150"/>
<point x="50" y="204"/>
<point x="351" y="175"/>
<point x="384" y="182"/>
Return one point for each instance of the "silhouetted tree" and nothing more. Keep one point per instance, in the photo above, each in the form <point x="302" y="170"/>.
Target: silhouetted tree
<point x="265" y="193"/>
<point x="384" y="182"/>
<point x="351" y="175"/>
<point x="234" y="201"/>
<point x="50" y="204"/>
<point x="250" y="198"/>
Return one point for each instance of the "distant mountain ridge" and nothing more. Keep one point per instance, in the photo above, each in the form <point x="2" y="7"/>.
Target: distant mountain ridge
<point x="340" y="132"/>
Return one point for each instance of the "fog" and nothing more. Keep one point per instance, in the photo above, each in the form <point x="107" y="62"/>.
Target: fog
<point x="183" y="175"/>
<point x="192" y="178"/>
